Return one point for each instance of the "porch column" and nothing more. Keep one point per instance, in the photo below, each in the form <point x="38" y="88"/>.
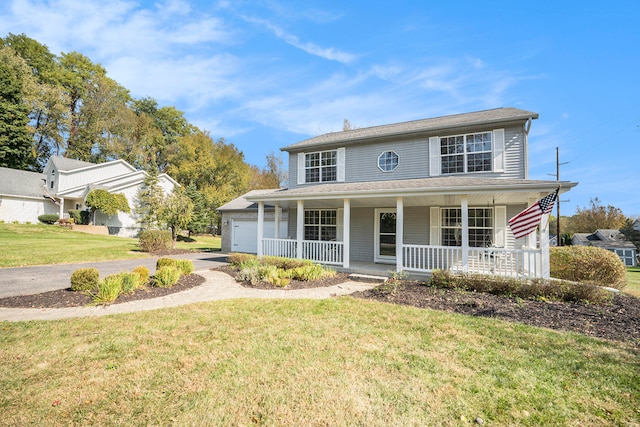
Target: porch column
<point x="544" y="247"/>
<point x="260" y="226"/>
<point x="465" y="233"/>
<point x="61" y="213"/>
<point x="299" y="228"/>
<point x="399" y="233"/>
<point x="346" y="232"/>
<point x="530" y="239"/>
<point x="276" y="221"/>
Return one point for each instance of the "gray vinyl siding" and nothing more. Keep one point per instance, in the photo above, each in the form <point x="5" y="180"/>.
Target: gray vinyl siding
<point x="416" y="225"/>
<point x="361" y="160"/>
<point x="362" y="225"/>
<point x="512" y="242"/>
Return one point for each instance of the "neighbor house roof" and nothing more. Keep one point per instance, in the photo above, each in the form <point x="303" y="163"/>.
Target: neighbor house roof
<point x="241" y="203"/>
<point x="486" y="117"/>
<point x="66" y="164"/>
<point x="14" y="182"/>
<point x="603" y="238"/>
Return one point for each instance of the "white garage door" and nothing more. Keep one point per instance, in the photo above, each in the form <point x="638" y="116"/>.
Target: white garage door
<point x="244" y="235"/>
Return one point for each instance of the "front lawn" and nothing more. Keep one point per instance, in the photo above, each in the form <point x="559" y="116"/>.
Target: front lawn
<point x="310" y="362"/>
<point x="633" y="281"/>
<point x="38" y="244"/>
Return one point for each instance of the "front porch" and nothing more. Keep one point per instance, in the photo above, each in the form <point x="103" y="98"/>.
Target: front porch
<point x="420" y="259"/>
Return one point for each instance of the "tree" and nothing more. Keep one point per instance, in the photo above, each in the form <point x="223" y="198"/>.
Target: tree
<point x="109" y="203"/>
<point x="630" y="233"/>
<point x="200" y="219"/>
<point x="17" y="85"/>
<point x="149" y="201"/>
<point x="176" y="212"/>
<point x="596" y="216"/>
<point x="273" y="176"/>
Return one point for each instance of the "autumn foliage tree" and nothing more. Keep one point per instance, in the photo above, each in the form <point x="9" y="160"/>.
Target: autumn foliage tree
<point x="596" y="216"/>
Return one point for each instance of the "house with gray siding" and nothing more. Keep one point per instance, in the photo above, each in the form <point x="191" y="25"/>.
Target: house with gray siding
<point x="422" y="195"/>
<point x="611" y="240"/>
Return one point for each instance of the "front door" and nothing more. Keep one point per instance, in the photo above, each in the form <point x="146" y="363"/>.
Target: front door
<point x="385" y="235"/>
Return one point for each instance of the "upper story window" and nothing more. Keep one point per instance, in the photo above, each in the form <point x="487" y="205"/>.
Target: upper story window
<point x="321" y="166"/>
<point x="466" y="153"/>
<point x="388" y="161"/>
<point x="53" y="175"/>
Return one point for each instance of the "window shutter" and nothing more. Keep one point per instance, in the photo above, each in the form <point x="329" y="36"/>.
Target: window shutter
<point x="301" y="170"/>
<point x="434" y="156"/>
<point x="500" y="226"/>
<point x="434" y="229"/>
<point x="340" y="225"/>
<point x="498" y="150"/>
<point x="341" y="164"/>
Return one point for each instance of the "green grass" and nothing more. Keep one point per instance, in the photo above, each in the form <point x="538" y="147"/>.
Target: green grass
<point x="39" y="244"/>
<point x="633" y="281"/>
<point x="302" y="362"/>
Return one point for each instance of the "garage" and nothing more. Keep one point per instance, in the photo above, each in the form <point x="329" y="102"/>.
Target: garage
<point x="244" y="234"/>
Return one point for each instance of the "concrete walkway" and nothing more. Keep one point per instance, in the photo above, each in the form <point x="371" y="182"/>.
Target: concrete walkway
<point x="218" y="286"/>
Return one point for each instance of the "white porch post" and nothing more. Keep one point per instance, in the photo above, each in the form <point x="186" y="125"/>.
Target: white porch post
<point x="465" y="233"/>
<point x="399" y="233"/>
<point x="61" y="213"/>
<point x="530" y="239"/>
<point x="544" y="246"/>
<point x="346" y="232"/>
<point x="299" y="228"/>
<point x="260" y="226"/>
<point x="276" y="221"/>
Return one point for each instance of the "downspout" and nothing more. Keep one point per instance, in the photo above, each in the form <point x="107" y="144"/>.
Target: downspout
<point x="526" y="128"/>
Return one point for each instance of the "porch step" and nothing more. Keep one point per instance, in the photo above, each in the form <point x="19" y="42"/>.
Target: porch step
<point x="367" y="278"/>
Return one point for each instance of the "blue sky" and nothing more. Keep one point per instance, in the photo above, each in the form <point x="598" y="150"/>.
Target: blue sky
<point x="265" y="74"/>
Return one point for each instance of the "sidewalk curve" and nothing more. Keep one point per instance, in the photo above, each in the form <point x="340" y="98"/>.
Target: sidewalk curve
<point x="218" y="286"/>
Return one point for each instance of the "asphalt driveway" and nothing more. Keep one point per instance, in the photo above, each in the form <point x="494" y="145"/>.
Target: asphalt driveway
<point x="38" y="279"/>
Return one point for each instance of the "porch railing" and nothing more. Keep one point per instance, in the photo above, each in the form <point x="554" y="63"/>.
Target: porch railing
<point x="526" y="263"/>
<point x="314" y="250"/>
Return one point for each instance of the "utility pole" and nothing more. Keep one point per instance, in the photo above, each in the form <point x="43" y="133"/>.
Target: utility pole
<point x="557" y="175"/>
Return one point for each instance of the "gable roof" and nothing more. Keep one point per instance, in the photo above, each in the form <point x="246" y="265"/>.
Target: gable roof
<point x="603" y="238"/>
<point x="14" y="182"/>
<point x="241" y="203"/>
<point x="66" y="164"/>
<point x="486" y="117"/>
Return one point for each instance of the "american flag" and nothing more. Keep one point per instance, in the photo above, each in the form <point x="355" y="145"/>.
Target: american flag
<point x="527" y="220"/>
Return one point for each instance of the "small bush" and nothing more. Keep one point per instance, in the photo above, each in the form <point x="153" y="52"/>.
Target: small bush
<point x="143" y="272"/>
<point x="154" y="240"/>
<point x="166" y="277"/>
<point x="588" y="264"/>
<point x="307" y="272"/>
<point x="249" y="274"/>
<point x="85" y="279"/>
<point x="184" y="265"/>
<point x="236" y="259"/>
<point x="80" y="217"/>
<point x="165" y="262"/>
<point x="109" y="289"/>
<point x="48" y="218"/>
<point x="130" y="281"/>
<point x="285" y="263"/>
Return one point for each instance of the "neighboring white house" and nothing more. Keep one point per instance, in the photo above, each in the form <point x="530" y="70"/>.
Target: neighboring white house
<point x="611" y="240"/>
<point x="64" y="185"/>
<point x="422" y="195"/>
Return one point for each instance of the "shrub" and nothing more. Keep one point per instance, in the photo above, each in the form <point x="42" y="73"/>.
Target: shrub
<point x="249" y="274"/>
<point x="48" y="218"/>
<point x="130" y="281"/>
<point x="236" y="259"/>
<point x="285" y="263"/>
<point x="588" y="264"/>
<point x="307" y="272"/>
<point x="154" y="240"/>
<point x="143" y="272"/>
<point x="184" y="265"/>
<point x="108" y="289"/>
<point x="165" y="262"/>
<point x="166" y="277"/>
<point x="84" y="279"/>
<point x="80" y="217"/>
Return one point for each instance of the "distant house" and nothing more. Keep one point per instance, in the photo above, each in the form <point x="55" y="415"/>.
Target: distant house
<point x="611" y="240"/>
<point x="64" y="185"/>
<point x="636" y="225"/>
<point x="429" y="194"/>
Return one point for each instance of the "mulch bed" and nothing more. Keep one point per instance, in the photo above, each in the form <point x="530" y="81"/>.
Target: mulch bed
<point x="62" y="298"/>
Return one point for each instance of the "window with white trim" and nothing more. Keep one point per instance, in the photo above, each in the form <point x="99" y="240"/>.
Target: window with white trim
<point x="321" y="166"/>
<point x="481" y="228"/>
<point x="388" y="161"/>
<point x="321" y="224"/>
<point x="466" y="153"/>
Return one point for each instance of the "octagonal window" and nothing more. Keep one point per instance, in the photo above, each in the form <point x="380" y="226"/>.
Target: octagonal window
<point x="388" y="161"/>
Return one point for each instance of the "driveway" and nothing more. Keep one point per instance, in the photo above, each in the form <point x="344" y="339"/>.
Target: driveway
<point x="38" y="279"/>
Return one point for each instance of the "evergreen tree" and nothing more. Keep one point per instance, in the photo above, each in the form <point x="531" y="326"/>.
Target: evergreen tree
<point x="149" y="201"/>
